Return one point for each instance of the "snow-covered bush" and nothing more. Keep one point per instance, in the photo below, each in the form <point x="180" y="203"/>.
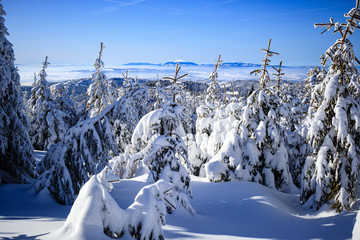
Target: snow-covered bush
<point x="95" y="214"/>
<point x="16" y="151"/>
<point x="331" y="173"/>
<point x="100" y="92"/>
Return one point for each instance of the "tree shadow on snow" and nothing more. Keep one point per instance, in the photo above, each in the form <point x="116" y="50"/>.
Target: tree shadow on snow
<point x="24" y="237"/>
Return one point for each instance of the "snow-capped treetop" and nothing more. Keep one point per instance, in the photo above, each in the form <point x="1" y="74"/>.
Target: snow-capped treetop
<point x="129" y="82"/>
<point x="42" y="89"/>
<point x="35" y="81"/>
<point x="332" y="172"/>
<point x="42" y="73"/>
<point x="175" y="86"/>
<point x="345" y="57"/>
<point x="264" y="78"/>
<point x="100" y="92"/>
<point x="278" y="75"/>
<point x="214" y="87"/>
<point x="98" y="62"/>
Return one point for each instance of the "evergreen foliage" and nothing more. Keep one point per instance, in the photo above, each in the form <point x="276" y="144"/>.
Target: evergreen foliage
<point x="100" y="91"/>
<point x="48" y="124"/>
<point x="17" y="162"/>
<point x="331" y="173"/>
<point x="255" y="149"/>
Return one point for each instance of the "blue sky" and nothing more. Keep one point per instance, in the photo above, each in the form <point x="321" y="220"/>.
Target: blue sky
<point x="69" y="31"/>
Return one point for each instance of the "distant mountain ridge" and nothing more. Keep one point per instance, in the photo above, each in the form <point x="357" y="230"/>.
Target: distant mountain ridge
<point x="189" y="64"/>
<point x="182" y="63"/>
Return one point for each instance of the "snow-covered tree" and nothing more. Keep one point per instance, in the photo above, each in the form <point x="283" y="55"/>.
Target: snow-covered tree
<point x="89" y="145"/>
<point x="206" y="112"/>
<point x="48" y="124"/>
<point x="100" y="91"/>
<point x="158" y="139"/>
<point x="310" y="81"/>
<point x="95" y="214"/>
<point x="278" y="73"/>
<point x="213" y="96"/>
<point x="164" y="163"/>
<point x="263" y="72"/>
<point x="83" y="152"/>
<point x="255" y="150"/>
<point x="290" y="111"/>
<point x="64" y="103"/>
<point x="17" y="161"/>
<point x="331" y="173"/>
<point x="131" y="107"/>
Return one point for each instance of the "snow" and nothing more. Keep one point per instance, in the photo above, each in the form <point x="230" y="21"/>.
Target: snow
<point x="230" y="210"/>
<point x="356" y="231"/>
<point x="59" y="72"/>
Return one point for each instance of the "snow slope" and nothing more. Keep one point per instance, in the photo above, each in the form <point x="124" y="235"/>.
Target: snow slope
<point x="231" y="210"/>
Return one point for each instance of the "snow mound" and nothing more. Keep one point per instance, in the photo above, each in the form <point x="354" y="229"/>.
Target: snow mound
<point x="96" y="215"/>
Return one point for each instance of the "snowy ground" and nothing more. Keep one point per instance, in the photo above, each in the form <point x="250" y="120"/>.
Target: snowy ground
<point x="233" y="210"/>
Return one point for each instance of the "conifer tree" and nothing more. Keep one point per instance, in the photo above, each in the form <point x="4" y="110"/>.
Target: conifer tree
<point x="84" y="151"/>
<point x="131" y="107"/>
<point x="48" y="124"/>
<point x="255" y="150"/>
<point x="331" y="173"/>
<point x="158" y="139"/>
<point x="100" y="92"/>
<point x="206" y="113"/>
<point x="168" y="149"/>
<point x="64" y="103"/>
<point x="16" y="152"/>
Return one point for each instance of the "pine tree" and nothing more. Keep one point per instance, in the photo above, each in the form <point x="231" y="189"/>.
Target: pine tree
<point x="16" y="152"/>
<point x="100" y="92"/>
<point x="331" y="173"/>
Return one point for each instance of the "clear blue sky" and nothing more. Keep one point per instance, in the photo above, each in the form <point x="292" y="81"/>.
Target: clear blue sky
<point x="69" y="31"/>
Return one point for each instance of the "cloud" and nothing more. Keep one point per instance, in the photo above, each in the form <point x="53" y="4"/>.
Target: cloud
<point x="120" y="4"/>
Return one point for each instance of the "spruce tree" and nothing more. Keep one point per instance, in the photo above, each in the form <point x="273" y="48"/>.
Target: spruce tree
<point x="332" y="172"/>
<point x="100" y="92"/>
<point x="48" y="124"/>
<point x="17" y="161"/>
<point x="255" y="150"/>
<point x="206" y="114"/>
<point x="64" y="103"/>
